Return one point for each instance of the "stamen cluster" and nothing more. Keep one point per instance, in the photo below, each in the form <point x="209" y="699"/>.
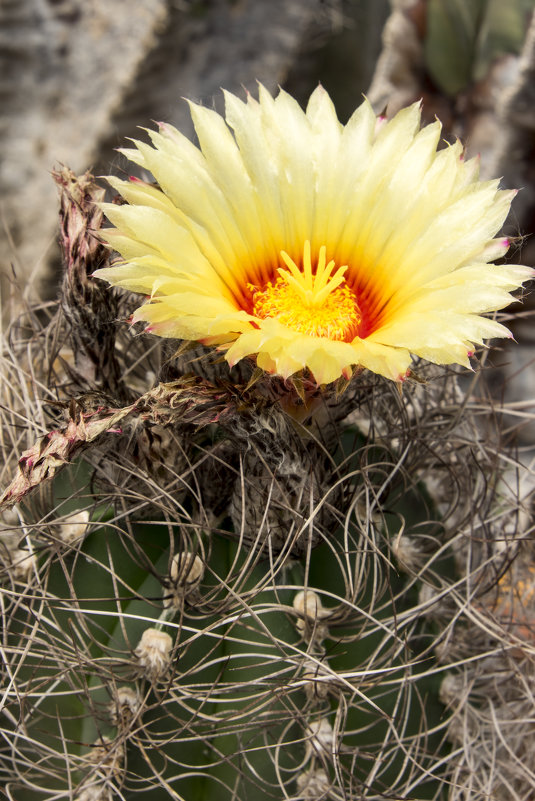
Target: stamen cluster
<point x="319" y="304"/>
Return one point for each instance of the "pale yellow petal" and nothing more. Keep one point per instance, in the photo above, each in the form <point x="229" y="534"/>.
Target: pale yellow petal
<point x="128" y="247"/>
<point x="203" y="207"/>
<point x="225" y="163"/>
<point x="246" y="122"/>
<point x="176" y="244"/>
<point x="289" y="137"/>
<point x="288" y="352"/>
<point x="422" y="333"/>
<point x="167" y="317"/>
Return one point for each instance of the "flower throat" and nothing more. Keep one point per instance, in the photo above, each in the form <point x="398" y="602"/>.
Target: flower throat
<point x="319" y="304"/>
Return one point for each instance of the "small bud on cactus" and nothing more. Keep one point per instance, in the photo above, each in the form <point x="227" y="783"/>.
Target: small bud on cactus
<point x="318" y="681"/>
<point x="153" y="653"/>
<point x="185" y="576"/>
<point x="72" y="528"/>
<point x="320" y="738"/>
<point x="313" y="785"/>
<point x="23" y="565"/>
<point x="104" y="772"/>
<point x="408" y="553"/>
<point x="310" y="611"/>
<point x="124" y="707"/>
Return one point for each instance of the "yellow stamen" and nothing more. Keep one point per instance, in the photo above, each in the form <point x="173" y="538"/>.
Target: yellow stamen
<point x="316" y="303"/>
<point x="313" y="288"/>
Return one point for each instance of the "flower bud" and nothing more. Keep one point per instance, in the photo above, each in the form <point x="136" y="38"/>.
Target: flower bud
<point x="105" y="763"/>
<point x="317" y="678"/>
<point x="313" y="784"/>
<point x="310" y="611"/>
<point x="320" y="738"/>
<point x="185" y="575"/>
<point x="73" y="527"/>
<point x="23" y="565"/>
<point x="408" y="553"/>
<point x="153" y="653"/>
<point x="124" y="707"/>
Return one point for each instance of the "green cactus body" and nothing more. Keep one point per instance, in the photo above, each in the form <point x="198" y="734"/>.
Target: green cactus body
<point x="241" y="587"/>
<point x="269" y="667"/>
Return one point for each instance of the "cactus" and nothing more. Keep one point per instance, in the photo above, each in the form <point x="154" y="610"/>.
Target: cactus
<point x="218" y="584"/>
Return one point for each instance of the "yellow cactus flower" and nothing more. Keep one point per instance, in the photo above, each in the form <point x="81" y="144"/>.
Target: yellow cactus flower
<point x="308" y="244"/>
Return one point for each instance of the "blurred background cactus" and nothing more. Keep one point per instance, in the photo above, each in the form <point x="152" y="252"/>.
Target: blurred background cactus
<point x="210" y="594"/>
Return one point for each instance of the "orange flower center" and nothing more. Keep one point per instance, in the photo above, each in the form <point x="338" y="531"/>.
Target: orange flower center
<point x="320" y="303"/>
